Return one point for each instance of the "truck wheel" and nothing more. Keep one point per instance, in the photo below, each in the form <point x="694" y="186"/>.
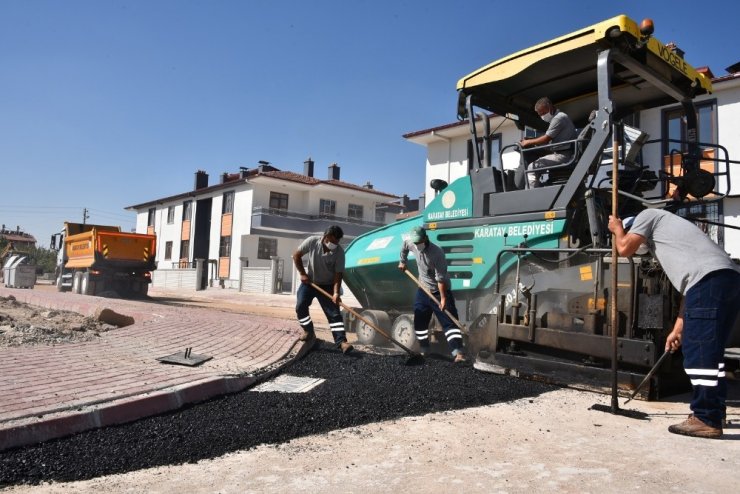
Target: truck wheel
<point x="76" y="282"/>
<point x="58" y="283"/>
<point x="87" y="287"/>
<point x="403" y="332"/>
<point x="366" y="335"/>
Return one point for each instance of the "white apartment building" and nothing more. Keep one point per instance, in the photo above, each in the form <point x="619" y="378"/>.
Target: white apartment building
<point x="449" y="148"/>
<point x="256" y="215"/>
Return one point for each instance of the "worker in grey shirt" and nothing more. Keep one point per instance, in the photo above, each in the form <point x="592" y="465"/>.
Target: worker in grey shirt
<point x="432" y="265"/>
<point x="325" y="268"/>
<point x="710" y="284"/>
<point x="560" y="129"/>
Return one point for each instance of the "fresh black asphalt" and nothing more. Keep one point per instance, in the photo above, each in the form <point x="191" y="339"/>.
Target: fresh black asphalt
<point x="360" y="388"/>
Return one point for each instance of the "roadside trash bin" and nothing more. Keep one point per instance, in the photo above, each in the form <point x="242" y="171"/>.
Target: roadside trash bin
<point x="18" y="273"/>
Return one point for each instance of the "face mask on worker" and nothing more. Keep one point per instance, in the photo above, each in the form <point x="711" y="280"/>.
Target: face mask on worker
<point x="421" y="246"/>
<point x="547" y="117"/>
<point x="330" y="245"/>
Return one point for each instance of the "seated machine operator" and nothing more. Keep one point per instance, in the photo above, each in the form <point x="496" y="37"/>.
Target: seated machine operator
<point x="561" y="129"/>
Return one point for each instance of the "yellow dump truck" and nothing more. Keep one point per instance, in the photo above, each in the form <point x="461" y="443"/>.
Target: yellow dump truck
<point x="98" y="259"/>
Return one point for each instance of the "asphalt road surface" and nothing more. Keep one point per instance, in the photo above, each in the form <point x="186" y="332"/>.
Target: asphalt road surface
<point x="359" y="389"/>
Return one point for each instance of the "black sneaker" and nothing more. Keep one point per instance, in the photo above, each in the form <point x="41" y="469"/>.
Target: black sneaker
<point x="346" y="347"/>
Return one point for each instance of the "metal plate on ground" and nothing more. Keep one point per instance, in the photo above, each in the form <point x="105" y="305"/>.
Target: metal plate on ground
<point x="185" y="358"/>
<point x="289" y="384"/>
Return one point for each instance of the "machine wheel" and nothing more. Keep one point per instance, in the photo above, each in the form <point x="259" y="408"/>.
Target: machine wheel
<point x="403" y="332"/>
<point x="366" y="335"/>
<point x="76" y="282"/>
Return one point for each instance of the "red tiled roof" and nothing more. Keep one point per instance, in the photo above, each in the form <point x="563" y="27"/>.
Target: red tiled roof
<point x="230" y="179"/>
<point x="305" y="179"/>
<point x="19" y="238"/>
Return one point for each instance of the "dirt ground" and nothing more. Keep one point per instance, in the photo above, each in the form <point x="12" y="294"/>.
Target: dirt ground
<point x="22" y="324"/>
<point x="551" y="443"/>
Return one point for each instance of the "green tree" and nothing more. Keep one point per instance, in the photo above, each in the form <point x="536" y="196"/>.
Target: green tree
<point x="44" y="259"/>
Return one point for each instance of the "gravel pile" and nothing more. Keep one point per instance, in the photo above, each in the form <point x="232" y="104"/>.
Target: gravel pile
<point x="359" y="389"/>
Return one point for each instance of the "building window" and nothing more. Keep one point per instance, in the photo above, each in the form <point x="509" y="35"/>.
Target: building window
<point x="354" y="212"/>
<point x="150" y="216"/>
<point x="675" y="138"/>
<point x="185" y="249"/>
<point x="170" y="215"/>
<point x="168" y="250"/>
<point x="674" y="126"/>
<point x="278" y="203"/>
<point x="380" y="215"/>
<point x="266" y="248"/>
<point x="327" y="208"/>
<point x="493" y="150"/>
<point x="187" y="210"/>
<point x="224" y="248"/>
<point x="228" y="206"/>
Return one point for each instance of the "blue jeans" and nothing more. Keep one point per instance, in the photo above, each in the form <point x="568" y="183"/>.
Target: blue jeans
<point x="306" y="294"/>
<point x="424" y="307"/>
<point x="710" y="309"/>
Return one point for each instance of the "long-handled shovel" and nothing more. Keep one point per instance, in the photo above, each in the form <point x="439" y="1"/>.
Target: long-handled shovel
<point x="414" y="358"/>
<point x="429" y="293"/>
<point x="648" y="376"/>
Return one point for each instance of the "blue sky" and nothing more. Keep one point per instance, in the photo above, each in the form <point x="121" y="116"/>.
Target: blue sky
<point x="105" y="104"/>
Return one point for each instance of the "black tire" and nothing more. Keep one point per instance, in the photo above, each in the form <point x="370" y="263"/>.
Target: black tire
<point x="366" y="335"/>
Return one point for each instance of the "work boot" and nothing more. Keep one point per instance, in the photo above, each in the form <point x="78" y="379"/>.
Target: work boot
<point x="346" y="347"/>
<point x="694" y="427"/>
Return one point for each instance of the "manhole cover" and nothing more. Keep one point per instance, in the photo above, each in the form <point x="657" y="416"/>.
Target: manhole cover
<point x="289" y="384"/>
<point x="185" y="358"/>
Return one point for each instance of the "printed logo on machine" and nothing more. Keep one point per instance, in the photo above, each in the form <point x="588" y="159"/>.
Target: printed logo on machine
<point x="448" y="202"/>
<point x="379" y="243"/>
<point x="448" y="199"/>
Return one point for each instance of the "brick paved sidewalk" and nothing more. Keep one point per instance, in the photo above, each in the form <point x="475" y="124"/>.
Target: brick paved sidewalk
<point x="51" y="391"/>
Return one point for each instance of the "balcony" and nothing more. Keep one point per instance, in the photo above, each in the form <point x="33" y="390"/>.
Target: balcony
<point x="283" y="220"/>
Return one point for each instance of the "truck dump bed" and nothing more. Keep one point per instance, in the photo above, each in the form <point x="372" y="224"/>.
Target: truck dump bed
<point x="105" y="248"/>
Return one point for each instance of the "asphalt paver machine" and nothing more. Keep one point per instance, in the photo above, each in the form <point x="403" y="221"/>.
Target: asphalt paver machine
<point x="531" y="269"/>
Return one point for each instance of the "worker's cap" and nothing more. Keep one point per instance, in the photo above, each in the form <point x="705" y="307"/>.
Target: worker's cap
<point x="627" y="222"/>
<point x="417" y="235"/>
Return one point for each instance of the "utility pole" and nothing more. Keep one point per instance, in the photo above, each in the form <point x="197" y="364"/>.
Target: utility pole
<point x="84" y="215"/>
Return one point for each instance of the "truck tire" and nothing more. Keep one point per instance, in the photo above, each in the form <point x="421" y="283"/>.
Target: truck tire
<point x="58" y="283"/>
<point x="403" y="332"/>
<point x="366" y="335"/>
<point x="87" y="287"/>
<point x="76" y="282"/>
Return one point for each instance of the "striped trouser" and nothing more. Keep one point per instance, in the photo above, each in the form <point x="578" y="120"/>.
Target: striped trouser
<point x="424" y="307"/>
<point x="306" y="294"/>
<point x="710" y="309"/>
